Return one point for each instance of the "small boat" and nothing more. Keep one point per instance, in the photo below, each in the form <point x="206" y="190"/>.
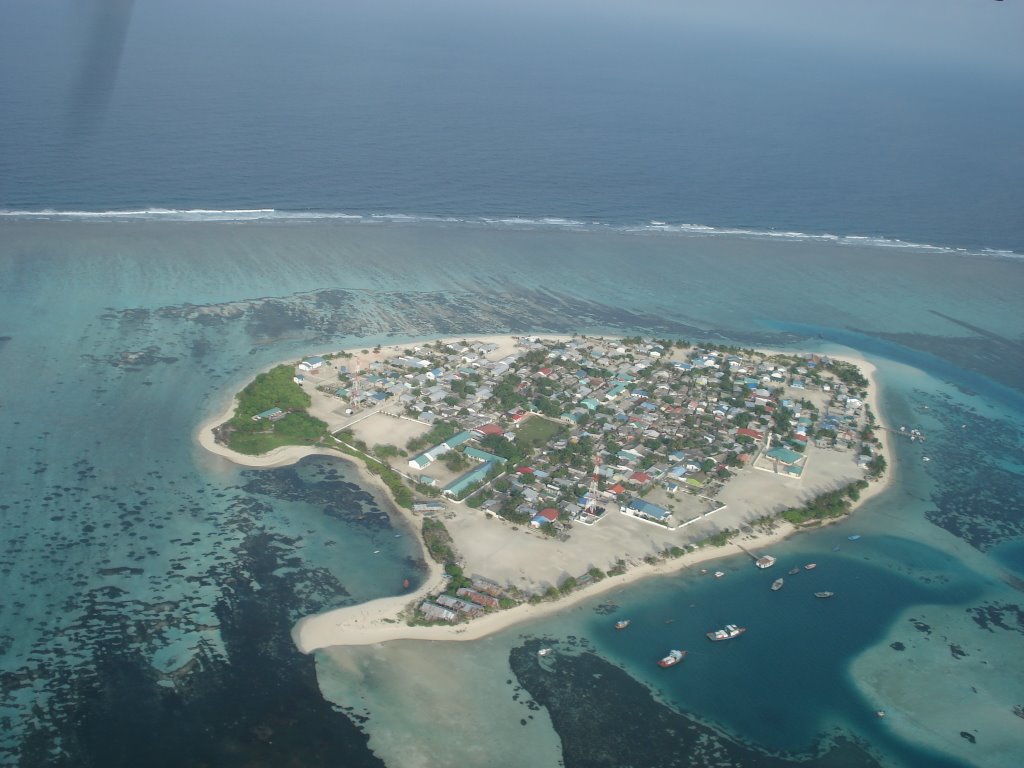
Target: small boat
<point x="794" y="571"/>
<point x="703" y="570"/>
<point x="405" y="583"/>
<point x="879" y="713"/>
<point x="673" y="658"/>
<point x="810" y="566"/>
<point x="854" y="537"/>
<point x="728" y="632"/>
<point x="925" y="458"/>
<point x="824" y="594"/>
<point x="622" y="624"/>
<point x="776" y="585"/>
<point x="719" y="574"/>
<point x="835" y="548"/>
<point x="545" y="651"/>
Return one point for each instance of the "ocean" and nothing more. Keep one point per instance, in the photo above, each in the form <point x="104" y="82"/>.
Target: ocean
<point x="178" y="212"/>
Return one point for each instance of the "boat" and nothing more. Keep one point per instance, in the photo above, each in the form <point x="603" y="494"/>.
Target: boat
<point x="673" y="658"/>
<point x="776" y="585"/>
<point x="728" y="632"/>
<point x="545" y="651"/>
<point x="810" y="566"/>
<point x="405" y="583"/>
<point x="824" y="594"/>
<point x="854" y="537"/>
<point x="794" y="571"/>
<point x="879" y="713"/>
<point x="767" y="561"/>
<point x="719" y="574"/>
<point x="622" y="624"/>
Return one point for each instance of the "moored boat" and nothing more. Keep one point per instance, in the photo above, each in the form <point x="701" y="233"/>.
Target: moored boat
<point x="673" y="658"/>
<point x="767" y="561"/>
<point x="776" y="585"/>
<point x="545" y="651"/>
<point x="794" y="571"/>
<point x="727" y="632"/>
<point x="622" y="623"/>
<point x="810" y="566"/>
<point x="824" y="594"/>
<point x="719" y="574"/>
<point x="854" y="537"/>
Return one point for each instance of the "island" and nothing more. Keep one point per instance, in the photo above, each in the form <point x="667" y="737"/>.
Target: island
<point x="541" y="469"/>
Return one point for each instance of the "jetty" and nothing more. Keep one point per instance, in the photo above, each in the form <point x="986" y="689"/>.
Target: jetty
<point x="761" y="561"/>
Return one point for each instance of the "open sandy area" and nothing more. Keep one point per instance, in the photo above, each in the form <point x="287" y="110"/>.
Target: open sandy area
<point x="527" y="559"/>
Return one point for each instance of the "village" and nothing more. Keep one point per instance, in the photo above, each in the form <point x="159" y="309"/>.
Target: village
<point x="609" y="449"/>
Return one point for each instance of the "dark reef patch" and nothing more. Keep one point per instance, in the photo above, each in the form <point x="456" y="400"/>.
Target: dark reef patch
<point x="256" y="703"/>
<point x="606" y="718"/>
<point x="1004" y="616"/>
<point x="977" y="498"/>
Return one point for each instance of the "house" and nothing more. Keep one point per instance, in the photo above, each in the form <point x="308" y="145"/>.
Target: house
<point x="271" y="414"/>
<point x="544" y="517"/>
<point x="311" y="364"/>
<point x="487" y="601"/>
<point x="420" y="462"/>
<point x="476" y="475"/>
<point x="645" y="510"/>
<point x="436" y="612"/>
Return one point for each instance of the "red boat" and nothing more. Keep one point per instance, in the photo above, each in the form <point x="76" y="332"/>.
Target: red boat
<point x="673" y="658"/>
<point x="405" y="583"/>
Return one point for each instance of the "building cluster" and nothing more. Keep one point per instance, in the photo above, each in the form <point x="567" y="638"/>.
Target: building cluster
<point x="561" y="430"/>
<point x="468" y="602"/>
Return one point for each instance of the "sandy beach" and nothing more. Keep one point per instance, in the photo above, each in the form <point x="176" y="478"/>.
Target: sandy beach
<point x="488" y="547"/>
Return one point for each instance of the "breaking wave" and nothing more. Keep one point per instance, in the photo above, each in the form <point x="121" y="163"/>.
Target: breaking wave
<point x="508" y="222"/>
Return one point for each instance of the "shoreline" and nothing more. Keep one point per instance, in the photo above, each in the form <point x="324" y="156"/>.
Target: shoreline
<point x="377" y="621"/>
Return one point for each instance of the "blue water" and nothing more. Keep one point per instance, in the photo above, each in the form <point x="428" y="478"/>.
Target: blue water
<point x="588" y="111"/>
<point x="190" y="192"/>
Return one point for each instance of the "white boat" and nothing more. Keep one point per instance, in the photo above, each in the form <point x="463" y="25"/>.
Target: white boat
<point x="719" y="574"/>
<point x="776" y="585"/>
<point x="545" y="651"/>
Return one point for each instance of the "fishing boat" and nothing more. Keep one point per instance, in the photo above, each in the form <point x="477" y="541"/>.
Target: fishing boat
<point x="854" y="537"/>
<point x="824" y="594"/>
<point x="776" y="585"/>
<point x="545" y="651"/>
<point x="719" y="574"/>
<point x="879" y="713"/>
<point x="673" y="658"/>
<point x="405" y="583"/>
<point x="622" y="624"/>
<point x="794" y="571"/>
<point x="810" y="566"/>
<point x="728" y="632"/>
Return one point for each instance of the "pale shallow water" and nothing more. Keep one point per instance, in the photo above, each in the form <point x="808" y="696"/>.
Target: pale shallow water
<point x="126" y="543"/>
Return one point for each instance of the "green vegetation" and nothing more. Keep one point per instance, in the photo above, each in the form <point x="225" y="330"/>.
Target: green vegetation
<point x="848" y="373"/>
<point x="439" y="542"/>
<point x="826" y="506"/>
<point x="719" y="539"/>
<point x="273" y="389"/>
<point x="440" y="432"/>
<point x="293" y="429"/>
<point x="877" y="465"/>
<point x="535" y="432"/>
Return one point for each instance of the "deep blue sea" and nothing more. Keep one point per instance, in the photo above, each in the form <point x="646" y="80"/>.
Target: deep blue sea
<point x="192" y="191"/>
